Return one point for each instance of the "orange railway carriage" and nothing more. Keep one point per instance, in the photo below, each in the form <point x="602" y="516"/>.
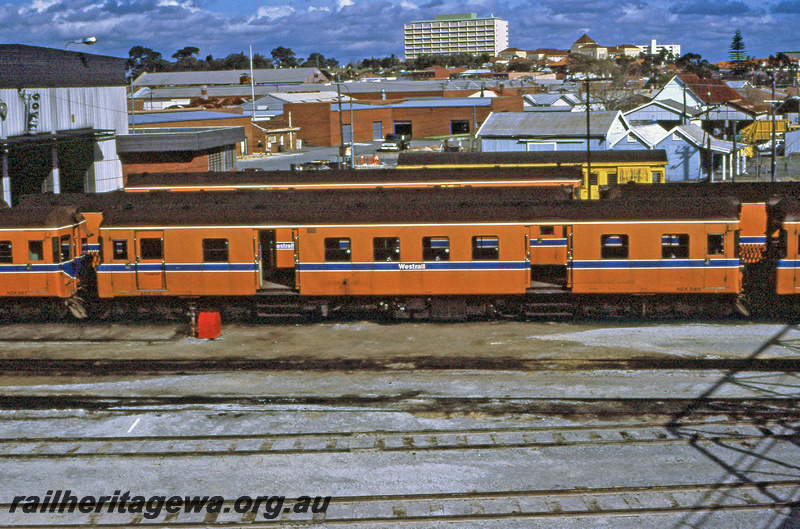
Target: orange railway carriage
<point x="40" y="252"/>
<point x="785" y="219"/>
<point x="664" y="247"/>
<point x="411" y="244"/>
<point x="755" y="198"/>
<point x="243" y="243"/>
<point x="567" y="177"/>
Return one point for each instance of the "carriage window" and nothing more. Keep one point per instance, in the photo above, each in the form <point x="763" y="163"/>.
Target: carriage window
<point x="386" y="249"/>
<point x="547" y="230"/>
<point x="36" y="250"/>
<point x="593" y="178"/>
<point x="215" y="250"/>
<point x="120" y="249"/>
<point x="151" y="248"/>
<point x="612" y="179"/>
<point x="782" y="244"/>
<point x="675" y="246"/>
<point x="66" y="249"/>
<point x="656" y="177"/>
<point x="716" y="244"/>
<point x="485" y="248"/>
<point x="337" y="249"/>
<point x="614" y="246"/>
<point x="56" y="250"/>
<point x="435" y="249"/>
<point x="5" y="252"/>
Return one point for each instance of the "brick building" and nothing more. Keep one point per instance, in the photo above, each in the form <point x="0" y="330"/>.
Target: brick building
<point x="183" y="149"/>
<point x="420" y="118"/>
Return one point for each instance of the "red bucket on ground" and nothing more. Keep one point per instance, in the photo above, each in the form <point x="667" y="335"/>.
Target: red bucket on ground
<point x="209" y="325"/>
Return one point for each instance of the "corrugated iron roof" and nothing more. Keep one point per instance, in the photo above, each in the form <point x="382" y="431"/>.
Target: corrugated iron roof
<point x="174" y="117"/>
<point x="34" y="67"/>
<point x="704" y="140"/>
<point x="227" y="77"/>
<point x="545" y="125"/>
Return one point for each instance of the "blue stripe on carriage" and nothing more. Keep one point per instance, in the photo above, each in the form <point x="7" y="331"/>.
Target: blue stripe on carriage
<point x="549" y="242"/>
<point x="202" y="267"/>
<point x="395" y="267"/>
<point x="70" y="268"/>
<point x="752" y="240"/>
<point x="664" y="263"/>
<point x="488" y="244"/>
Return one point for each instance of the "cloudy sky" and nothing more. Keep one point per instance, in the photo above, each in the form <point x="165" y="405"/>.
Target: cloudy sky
<point x="355" y="29"/>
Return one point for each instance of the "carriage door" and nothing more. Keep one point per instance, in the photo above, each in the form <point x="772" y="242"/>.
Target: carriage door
<point x="268" y="248"/>
<point x="37" y="274"/>
<point x="567" y="233"/>
<point x="150" y="265"/>
<point x="716" y="277"/>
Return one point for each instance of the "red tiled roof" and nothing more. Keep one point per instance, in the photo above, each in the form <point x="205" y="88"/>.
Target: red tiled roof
<point x="710" y="91"/>
<point x="585" y="39"/>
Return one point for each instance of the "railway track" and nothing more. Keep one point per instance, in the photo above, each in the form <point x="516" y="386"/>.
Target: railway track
<point x="744" y="433"/>
<point x="390" y="510"/>
<point x="766" y="408"/>
<point x="118" y="367"/>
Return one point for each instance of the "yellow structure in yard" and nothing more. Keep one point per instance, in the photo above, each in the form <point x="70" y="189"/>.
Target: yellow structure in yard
<point x="761" y="130"/>
<point x="608" y="167"/>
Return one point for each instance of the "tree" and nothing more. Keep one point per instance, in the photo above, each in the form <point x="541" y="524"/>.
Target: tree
<point x="186" y="58"/>
<point x="318" y="60"/>
<point x="284" y="57"/>
<point x="141" y="59"/>
<point x="696" y="64"/>
<point x="737" y="53"/>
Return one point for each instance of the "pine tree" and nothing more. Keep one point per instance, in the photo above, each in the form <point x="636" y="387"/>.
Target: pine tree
<point x="737" y="52"/>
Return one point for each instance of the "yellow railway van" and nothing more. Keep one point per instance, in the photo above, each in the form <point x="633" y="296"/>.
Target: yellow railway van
<point x="608" y="167"/>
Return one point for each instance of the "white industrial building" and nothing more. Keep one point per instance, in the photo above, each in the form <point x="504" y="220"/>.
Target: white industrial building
<point x="459" y="33"/>
<point x="60" y="114"/>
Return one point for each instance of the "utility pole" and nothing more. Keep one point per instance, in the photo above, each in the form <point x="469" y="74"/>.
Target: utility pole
<point x="588" y="140"/>
<point x="772" y="104"/>
<point x="589" y="134"/>
<point x="341" y="124"/>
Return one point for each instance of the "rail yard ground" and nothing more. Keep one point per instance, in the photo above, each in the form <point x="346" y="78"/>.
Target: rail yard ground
<point x="482" y="424"/>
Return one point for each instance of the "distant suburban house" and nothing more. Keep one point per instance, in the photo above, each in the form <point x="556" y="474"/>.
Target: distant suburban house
<point x="509" y="54"/>
<point x="64" y="112"/>
<point x="550" y="102"/>
<point x="792" y="145"/>
<point x="692" y="91"/>
<point x="550" y="131"/>
<point x="690" y="150"/>
<point x="665" y="112"/>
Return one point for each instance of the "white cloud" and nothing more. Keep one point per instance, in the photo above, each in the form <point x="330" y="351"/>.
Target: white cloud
<point x="340" y="4"/>
<point x="408" y="5"/>
<point x="43" y="5"/>
<point x="273" y="12"/>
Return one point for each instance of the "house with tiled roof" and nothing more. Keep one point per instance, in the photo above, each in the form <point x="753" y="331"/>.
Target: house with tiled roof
<point x="509" y="54"/>
<point x="549" y="54"/>
<point x="585" y="40"/>
<point x="697" y="92"/>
